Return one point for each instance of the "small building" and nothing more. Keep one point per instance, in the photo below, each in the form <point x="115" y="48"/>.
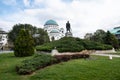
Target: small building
<point x="53" y="30"/>
<point x="3" y="39"/>
<point x="116" y="32"/>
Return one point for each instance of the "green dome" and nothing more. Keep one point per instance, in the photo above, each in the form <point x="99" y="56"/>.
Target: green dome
<point x="51" y="22"/>
<point x="54" y="31"/>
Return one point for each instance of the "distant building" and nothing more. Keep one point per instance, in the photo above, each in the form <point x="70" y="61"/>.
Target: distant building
<point x="53" y="30"/>
<point x="3" y="39"/>
<point x="116" y="32"/>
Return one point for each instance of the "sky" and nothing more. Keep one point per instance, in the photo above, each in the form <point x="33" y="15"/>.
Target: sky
<point x="85" y="16"/>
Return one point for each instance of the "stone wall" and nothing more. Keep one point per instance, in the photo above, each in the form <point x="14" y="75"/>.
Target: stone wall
<point x="55" y="52"/>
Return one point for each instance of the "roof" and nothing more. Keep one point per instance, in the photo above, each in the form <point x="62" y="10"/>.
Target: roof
<point x="3" y="32"/>
<point x="54" y="31"/>
<point x="51" y="22"/>
<point x="116" y="30"/>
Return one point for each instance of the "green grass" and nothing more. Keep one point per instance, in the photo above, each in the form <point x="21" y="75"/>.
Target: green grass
<point x="97" y="68"/>
<point x="113" y="53"/>
<point x="7" y="67"/>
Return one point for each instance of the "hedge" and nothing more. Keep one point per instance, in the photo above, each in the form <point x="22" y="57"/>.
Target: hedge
<point x="37" y="62"/>
<point x="40" y="61"/>
<point x="71" y="44"/>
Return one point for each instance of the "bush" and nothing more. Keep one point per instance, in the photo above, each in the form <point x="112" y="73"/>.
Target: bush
<point x="46" y="48"/>
<point x="37" y="62"/>
<point x="43" y="60"/>
<point x="24" y="44"/>
<point x="71" y="44"/>
<point x="61" y="58"/>
<point x="90" y="45"/>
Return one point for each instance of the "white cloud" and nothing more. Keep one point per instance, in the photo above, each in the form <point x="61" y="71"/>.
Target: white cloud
<point x="84" y="15"/>
<point x="38" y="2"/>
<point x="6" y="25"/>
<point x="26" y="3"/>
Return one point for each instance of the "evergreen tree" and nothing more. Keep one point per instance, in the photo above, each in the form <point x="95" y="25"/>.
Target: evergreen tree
<point x="24" y="44"/>
<point x="111" y="40"/>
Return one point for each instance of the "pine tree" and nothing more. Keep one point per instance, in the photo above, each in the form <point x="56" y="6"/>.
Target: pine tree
<point x="110" y="39"/>
<point x="24" y="44"/>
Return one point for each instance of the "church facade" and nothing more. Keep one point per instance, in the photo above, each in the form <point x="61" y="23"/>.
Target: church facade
<point x="3" y="39"/>
<point x="53" y="30"/>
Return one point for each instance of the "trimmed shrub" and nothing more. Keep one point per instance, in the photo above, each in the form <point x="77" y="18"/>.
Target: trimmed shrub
<point x="90" y="45"/>
<point x="37" y="62"/>
<point x="61" y="58"/>
<point x="43" y="60"/>
<point x="24" y="44"/>
<point x="71" y="44"/>
<point x="47" y="47"/>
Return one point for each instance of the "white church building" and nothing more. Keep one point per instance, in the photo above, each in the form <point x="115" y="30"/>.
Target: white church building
<point x="3" y="39"/>
<point x="53" y="30"/>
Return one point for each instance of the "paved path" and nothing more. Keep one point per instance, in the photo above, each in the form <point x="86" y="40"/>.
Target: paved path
<point x="100" y="54"/>
<point x="1" y="52"/>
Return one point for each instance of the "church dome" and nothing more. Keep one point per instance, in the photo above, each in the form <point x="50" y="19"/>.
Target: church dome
<point x="51" y="22"/>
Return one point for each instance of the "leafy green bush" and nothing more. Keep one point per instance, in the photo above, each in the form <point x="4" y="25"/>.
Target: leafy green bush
<point x="71" y="44"/>
<point x="37" y="62"/>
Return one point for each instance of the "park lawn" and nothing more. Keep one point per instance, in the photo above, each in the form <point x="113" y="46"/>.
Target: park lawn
<point x="113" y="53"/>
<point x="7" y="67"/>
<point x="96" y="68"/>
